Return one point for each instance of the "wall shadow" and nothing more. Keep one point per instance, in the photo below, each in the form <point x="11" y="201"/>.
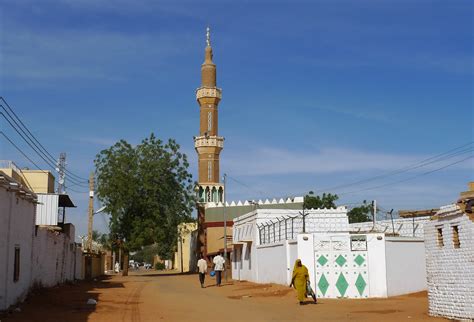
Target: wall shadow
<point x="67" y="302"/>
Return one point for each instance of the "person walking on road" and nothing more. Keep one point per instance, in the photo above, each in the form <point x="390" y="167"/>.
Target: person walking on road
<point x="299" y="280"/>
<point x="202" y="267"/>
<point x="219" y="263"/>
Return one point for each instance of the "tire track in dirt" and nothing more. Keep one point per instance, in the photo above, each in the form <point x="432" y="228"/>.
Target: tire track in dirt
<point x="133" y="299"/>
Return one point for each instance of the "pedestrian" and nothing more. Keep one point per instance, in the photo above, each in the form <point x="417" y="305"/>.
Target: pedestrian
<point x="202" y="267"/>
<point x="299" y="280"/>
<point x="219" y="263"/>
<point x="117" y="267"/>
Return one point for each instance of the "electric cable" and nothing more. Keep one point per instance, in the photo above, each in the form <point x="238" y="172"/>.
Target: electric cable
<point x="41" y="155"/>
<point x="407" y="179"/>
<point x="48" y="154"/>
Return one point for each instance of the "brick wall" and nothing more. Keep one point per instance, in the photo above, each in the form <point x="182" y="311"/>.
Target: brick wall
<point x="450" y="270"/>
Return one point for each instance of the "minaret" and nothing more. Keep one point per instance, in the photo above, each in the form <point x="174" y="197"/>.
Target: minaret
<point x="208" y="144"/>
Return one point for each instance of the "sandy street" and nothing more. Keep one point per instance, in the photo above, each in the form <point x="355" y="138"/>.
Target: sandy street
<point x="157" y="297"/>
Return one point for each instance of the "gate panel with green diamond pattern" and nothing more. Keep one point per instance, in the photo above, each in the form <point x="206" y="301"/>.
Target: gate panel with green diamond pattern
<point x="341" y="266"/>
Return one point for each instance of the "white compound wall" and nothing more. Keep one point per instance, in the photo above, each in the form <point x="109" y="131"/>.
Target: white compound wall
<point x="340" y="264"/>
<point x="17" y="222"/>
<point x="405" y="227"/>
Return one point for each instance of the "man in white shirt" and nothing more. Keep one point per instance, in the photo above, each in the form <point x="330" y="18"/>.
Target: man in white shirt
<point x="202" y="267"/>
<point x="219" y="264"/>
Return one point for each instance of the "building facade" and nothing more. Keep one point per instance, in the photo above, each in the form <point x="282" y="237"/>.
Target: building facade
<point x="17" y="230"/>
<point x="35" y="252"/>
<point x="185" y="259"/>
<point x="342" y="261"/>
<point x="449" y="241"/>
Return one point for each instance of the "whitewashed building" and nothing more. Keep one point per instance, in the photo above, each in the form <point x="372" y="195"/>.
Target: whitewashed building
<point x="449" y="241"/>
<point x="17" y="227"/>
<point x="32" y="253"/>
<point x="342" y="263"/>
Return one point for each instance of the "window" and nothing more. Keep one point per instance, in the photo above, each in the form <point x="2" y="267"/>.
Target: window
<point x="456" y="242"/>
<point x="209" y="170"/>
<point x="249" y="255"/>
<point x="16" y="263"/>
<point x="440" y="237"/>
<point x="209" y="121"/>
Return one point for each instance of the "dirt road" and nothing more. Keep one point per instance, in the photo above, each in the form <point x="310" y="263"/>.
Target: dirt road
<point x="158" y="297"/>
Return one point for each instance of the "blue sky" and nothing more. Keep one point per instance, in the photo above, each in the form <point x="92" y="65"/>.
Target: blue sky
<point x="316" y="94"/>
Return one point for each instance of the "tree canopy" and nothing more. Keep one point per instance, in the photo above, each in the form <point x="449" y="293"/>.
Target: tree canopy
<point x="147" y="190"/>
<point x="146" y="254"/>
<point x="361" y="213"/>
<point x="312" y="201"/>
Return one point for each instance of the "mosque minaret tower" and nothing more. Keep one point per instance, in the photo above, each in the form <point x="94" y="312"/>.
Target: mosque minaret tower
<point x="209" y="144"/>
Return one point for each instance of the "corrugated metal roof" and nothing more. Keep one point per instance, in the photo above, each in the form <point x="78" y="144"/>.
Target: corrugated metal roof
<point x="47" y="209"/>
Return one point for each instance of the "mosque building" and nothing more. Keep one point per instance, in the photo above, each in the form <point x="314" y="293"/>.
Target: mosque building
<point x="210" y="191"/>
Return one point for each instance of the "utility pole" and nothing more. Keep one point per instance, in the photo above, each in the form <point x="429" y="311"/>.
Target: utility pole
<point x="374" y="212"/>
<point x="91" y="211"/>
<point x="61" y="169"/>
<point x="181" y="245"/>
<point x="225" y="231"/>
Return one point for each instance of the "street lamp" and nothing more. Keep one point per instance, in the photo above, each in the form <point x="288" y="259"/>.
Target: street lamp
<point x="225" y="230"/>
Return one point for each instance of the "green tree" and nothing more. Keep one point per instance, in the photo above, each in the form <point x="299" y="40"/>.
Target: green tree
<point x="96" y="235"/>
<point x="146" y="254"/>
<point x="312" y="201"/>
<point x="361" y="213"/>
<point x="147" y="190"/>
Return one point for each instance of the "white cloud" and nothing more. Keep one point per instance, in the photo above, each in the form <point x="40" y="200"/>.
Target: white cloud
<point x="100" y="141"/>
<point x="41" y="56"/>
<point x="277" y="161"/>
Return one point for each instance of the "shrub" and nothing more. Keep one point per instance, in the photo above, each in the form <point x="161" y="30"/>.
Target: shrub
<point x="160" y="266"/>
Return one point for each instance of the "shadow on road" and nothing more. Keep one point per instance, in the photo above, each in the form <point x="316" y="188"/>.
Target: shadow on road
<point x="161" y="274"/>
<point x="67" y="302"/>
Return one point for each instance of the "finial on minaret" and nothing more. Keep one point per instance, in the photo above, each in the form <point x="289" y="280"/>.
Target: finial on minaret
<point x="208" y="36"/>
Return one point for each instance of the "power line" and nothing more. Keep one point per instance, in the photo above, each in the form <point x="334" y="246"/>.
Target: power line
<point x="31" y="134"/>
<point x="408" y="179"/>
<point x="78" y="178"/>
<point x="29" y="159"/>
<point x="434" y="159"/>
<point x="23" y="153"/>
<point x="39" y="153"/>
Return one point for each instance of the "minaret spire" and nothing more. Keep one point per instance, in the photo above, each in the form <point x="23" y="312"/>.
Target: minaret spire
<point x="209" y="144"/>
<point x="208" y="36"/>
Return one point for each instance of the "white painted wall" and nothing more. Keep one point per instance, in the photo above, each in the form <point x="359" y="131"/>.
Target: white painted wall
<point x="291" y="257"/>
<point x="406" y="227"/>
<point x="450" y="271"/>
<point x="17" y="217"/>
<point x="245" y="268"/>
<point x="46" y="257"/>
<point x="306" y="254"/>
<point x="55" y="257"/>
<point x="377" y="266"/>
<point x="383" y="270"/>
<point x="271" y="263"/>
<point x="405" y="264"/>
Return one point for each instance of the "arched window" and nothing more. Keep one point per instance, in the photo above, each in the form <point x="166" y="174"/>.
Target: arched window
<point x="209" y="171"/>
<point x="209" y="121"/>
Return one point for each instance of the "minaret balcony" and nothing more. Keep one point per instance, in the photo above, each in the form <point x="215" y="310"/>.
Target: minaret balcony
<point x="209" y="141"/>
<point x="213" y="92"/>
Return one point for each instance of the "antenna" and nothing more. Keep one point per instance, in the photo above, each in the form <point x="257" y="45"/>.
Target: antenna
<point x="61" y="169"/>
